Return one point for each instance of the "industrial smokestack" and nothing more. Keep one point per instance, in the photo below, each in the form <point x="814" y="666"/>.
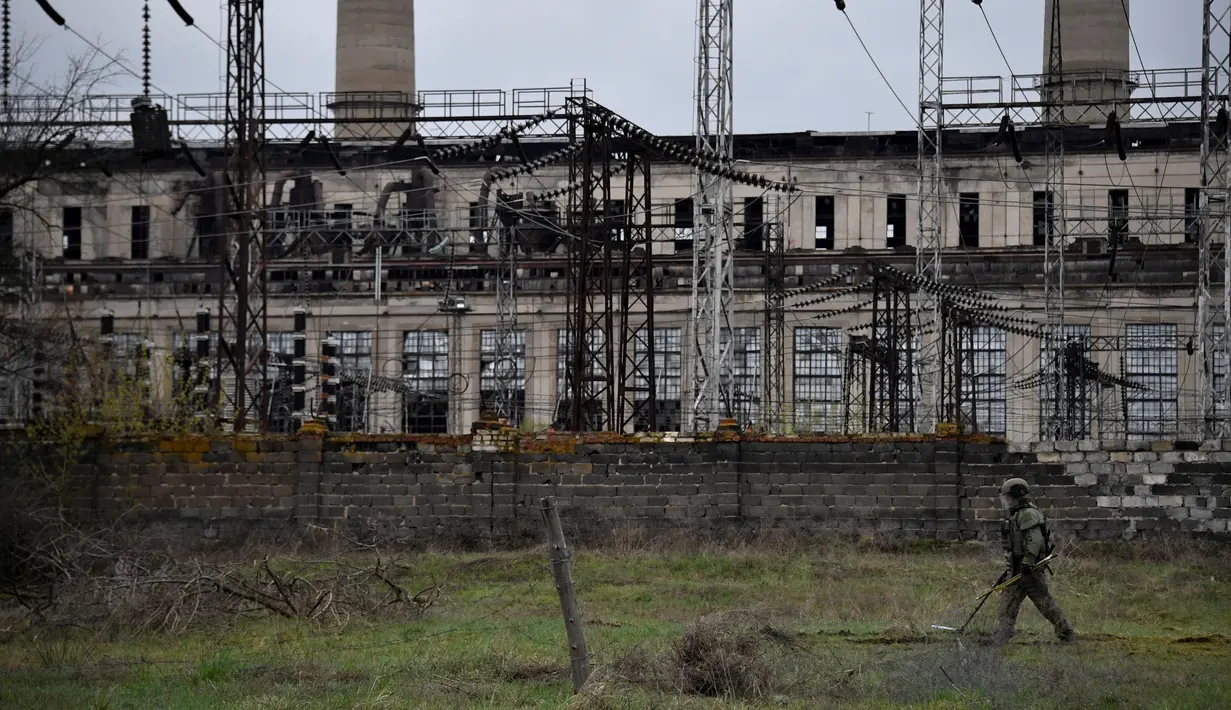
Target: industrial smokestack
<point x="375" y="67"/>
<point x="1094" y="47"/>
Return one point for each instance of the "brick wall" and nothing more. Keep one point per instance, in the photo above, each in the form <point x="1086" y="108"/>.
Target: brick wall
<point x="486" y="486"/>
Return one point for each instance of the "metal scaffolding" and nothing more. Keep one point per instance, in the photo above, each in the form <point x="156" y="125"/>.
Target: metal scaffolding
<point x="1212" y="317"/>
<point x="712" y="289"/>
<point x="931" y="237"/>
<point x="242" y="294"/>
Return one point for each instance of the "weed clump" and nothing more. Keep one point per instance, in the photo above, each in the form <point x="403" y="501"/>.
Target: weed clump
<point x="727" y="655"/>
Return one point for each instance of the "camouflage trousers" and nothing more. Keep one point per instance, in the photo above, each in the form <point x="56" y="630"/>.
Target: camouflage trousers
<point x="1033" y="585"/>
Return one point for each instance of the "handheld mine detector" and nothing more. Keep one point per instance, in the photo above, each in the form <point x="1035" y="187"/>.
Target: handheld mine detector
<point x="1000" y="584"/>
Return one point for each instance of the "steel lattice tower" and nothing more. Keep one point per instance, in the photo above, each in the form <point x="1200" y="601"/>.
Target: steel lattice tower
<point x="505" y="367"/>
<point x="1215" y="226"/>
<point x="242" y="293"/>
<point x="1054" y="238"/>
<point x="931" y="238"/>
<point x="712" y="290"/>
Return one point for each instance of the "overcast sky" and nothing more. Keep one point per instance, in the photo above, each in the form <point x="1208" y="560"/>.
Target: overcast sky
<point x="798" y="65"/>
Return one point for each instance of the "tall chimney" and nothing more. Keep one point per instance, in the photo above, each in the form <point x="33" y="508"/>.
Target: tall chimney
<point x="375" y="67"/>
<point x="1094" y="44"/>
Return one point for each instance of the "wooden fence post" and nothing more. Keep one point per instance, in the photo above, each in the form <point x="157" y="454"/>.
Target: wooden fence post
<point x="562" y="571"/>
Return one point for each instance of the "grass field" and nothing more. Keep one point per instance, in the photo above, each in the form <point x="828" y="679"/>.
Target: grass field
<point x="787" y="623"/>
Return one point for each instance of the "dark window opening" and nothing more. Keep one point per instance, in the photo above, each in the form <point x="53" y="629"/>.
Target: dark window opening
<point x="895" y="213"/>
<point x="968" y="219"/>
<point x="6" y="232"/>
<point x="754" y="223"/>
<point x="617" y="220"/>
<point x="478" y="230"/>
<point x="1192" y="214"/>
<point x="72" y="232"/>
<point x="1117" y="216"/>
<point x="1041" y="218"/>
<point x="825" y="222"/>
<point x="140" y="232"/>
<point x="684" y="224"/>
<point x="343" y="217"/>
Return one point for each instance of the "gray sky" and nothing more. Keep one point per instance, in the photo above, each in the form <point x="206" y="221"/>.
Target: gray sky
<point x="798" y="65"/>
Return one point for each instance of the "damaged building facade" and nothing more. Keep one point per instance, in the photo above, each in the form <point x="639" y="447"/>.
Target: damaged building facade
<point x="388" y="248"/>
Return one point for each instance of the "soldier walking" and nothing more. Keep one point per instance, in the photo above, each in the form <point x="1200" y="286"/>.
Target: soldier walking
<point x="1026" y="541"/>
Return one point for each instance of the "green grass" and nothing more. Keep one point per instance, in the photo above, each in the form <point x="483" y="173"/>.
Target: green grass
<point x="1154" y="634"/>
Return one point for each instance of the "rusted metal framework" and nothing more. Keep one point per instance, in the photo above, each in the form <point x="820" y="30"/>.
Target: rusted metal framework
<point x="773" y="360"/>
<point x="892" y="354"/>
<point x="590" y="375"/>
<point x="242" y="294"/>
<point x="611" y="361"/>
<point x="949" y="384"/>
<point x="637" y="340"/>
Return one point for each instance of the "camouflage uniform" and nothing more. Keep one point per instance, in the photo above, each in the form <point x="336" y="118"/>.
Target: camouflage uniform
<point x="1025" y="542"/>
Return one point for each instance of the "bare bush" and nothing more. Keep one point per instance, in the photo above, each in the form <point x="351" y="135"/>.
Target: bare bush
<point x="726" y="655"/>
<point x="109" y="580"/>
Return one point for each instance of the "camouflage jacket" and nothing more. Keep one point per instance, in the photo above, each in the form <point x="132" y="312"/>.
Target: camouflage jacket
<point x="1025" y="536"/>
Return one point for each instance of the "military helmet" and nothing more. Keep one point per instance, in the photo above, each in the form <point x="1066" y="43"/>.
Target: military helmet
<point x="1015" y="487"/>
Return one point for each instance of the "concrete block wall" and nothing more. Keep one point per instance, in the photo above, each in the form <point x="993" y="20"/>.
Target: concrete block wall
<point x="1147" y="486"/>
<point x="487" y="486"/>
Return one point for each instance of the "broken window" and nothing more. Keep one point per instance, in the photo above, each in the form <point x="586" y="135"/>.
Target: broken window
<point x="71" y="219"/>
<point x="1043" y="227"/>
<point x="968" y="219"/>
<point x="818" y="379"/>
<point x="617" y="220"/>
<point x="191" y="373"/>
<point x="1192" y="214"/>
<point x="354" y="378"/>
<point x="745" y="375"/>
<point x="343" y="217"/>
<point x="668" y="374"/>
<point x="1082" y="411"/>
<point x="895" y="214"/>
<point x="6" y="232"/>
<point x="593" y="366"/>
<point x="477" y="224"/>
<point x="1150" y="361"/>
<point x="1117" y="216"/>
<point x="825" y="222"/>
<point x="492" y="368"/>
<point x="140" y="232"/>
<point x="983" y="379"/>
<point x="754" y="223"/>
<point x="684" y="225"/>
<point x="280" y="347"/>
<point x="425" y="370"/>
